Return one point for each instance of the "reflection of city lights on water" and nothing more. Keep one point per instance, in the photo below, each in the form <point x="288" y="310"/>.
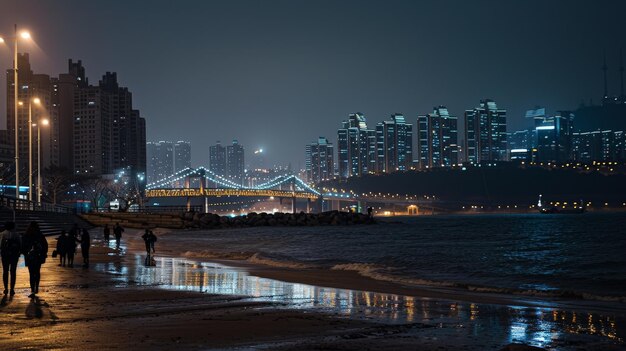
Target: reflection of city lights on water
<point x="530" y="325"/>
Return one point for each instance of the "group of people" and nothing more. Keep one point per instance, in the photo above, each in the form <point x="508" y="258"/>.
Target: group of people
<point x="66" y="246"/>
<point x="33" y="245"/>
<point x="117" y="231"/>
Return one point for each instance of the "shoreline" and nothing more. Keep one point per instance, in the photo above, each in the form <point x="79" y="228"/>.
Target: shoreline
<point x="353" y="280"/>
<point x="190" y="303"/>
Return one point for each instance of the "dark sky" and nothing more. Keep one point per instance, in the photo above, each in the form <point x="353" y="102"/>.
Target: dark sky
<point x="278" y="74"/>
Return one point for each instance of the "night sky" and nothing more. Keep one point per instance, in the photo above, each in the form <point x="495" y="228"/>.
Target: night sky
<point x="278" y="74"/>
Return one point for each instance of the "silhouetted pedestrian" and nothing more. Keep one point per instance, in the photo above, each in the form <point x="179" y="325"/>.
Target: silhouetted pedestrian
<point x="10" y="247"/>
<point x="117" y="230"/>
<point x="70" y="248"/>
<point x="369" y="211"/>
<point x="75" y="231"/>
<point x="107" y="234"/>
<point x="62" y="248"/>
<point x="149" y="239"/>
<point x="35" y="250"/>
<point x="85" y="244"/>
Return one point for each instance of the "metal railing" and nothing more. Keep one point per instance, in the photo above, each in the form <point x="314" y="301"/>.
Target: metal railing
<point x="25" y="205"/>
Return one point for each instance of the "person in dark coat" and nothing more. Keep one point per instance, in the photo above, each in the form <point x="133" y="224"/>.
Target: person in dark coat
<point x="149" y="239"/>
<point x="70" y="248"/>
<point x="85" y="244"/>
<point x="117" y="230"/>
<point x="62" y="248"/>
<point x="107" y="234"/>
<point x="10" y="250"/>
<point x="35" y="250"/>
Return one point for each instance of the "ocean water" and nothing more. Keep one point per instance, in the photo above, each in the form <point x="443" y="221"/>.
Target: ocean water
<point x="575" y="256"/>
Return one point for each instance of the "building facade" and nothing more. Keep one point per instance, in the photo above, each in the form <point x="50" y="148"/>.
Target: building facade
<point x="437" y="139"/>
<point x="31" y="86"/>
<point x="182" y="155"/>
<point x="160" y="160"/>
<point x="356" y="147"/>
<point x="554" y="136"/>
<point x="394" y="145"/>
<point x="217" y="159"/>
<point x="485" y="133"/>
<point x="599" y="145"/>
<point x="320" y="161"/>
<point x="108" y="133"/>
<point x="235" y="162"/>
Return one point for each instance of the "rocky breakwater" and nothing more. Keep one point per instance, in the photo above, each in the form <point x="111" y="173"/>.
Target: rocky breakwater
<point x="278" y="219"/>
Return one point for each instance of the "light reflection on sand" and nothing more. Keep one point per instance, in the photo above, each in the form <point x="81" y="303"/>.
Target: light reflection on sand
<point x="530" y="325"/>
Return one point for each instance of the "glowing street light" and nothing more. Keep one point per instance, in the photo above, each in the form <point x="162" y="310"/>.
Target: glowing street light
<point x="24" y="35"/>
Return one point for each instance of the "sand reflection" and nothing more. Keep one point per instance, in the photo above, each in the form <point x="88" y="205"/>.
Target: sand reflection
<point x="530" y="325"/>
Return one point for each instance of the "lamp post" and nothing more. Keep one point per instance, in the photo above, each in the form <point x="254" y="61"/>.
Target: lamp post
<point x="23" y="35"/>
<point x="44" y="122"/>
<point x="30" y="146"/>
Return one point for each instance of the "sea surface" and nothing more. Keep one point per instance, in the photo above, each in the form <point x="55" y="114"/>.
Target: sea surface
<point x="575" y="256"/>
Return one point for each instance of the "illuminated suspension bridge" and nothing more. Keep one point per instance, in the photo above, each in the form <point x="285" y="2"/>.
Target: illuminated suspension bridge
<point x="194" y="183"/>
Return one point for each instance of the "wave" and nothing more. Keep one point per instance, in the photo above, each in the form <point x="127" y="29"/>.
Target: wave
<point x="383" y="273"/>
<point x="251" y="257"/>
<point x="389" y="274"/>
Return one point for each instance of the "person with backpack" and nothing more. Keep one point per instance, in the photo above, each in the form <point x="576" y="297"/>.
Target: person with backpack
<point x="35" y="250"/>
<point x="62" y="248"/>
<point x="85" y="244"/>
<point x="117" y="230"/>
<point x="10" y="247"/>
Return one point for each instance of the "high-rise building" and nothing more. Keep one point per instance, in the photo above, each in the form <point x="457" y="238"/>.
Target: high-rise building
<point x="235" y="162"/>
<point x="319" y="161"/>
<point x="599" y="145"/>
<point x="356" y="147"/>
<point x="437" y="139"/>
<point x="394" y="145"/>
<point x="108" y="133"/>
<point x="522" y="145"/>
<point x="485" y="133"/>
<point x="182" y="155"/>
<point x="62" y="119"/>
<point x="554" y="137"/>
<point x="30" y="86"/>
<point x="160" y="160"/>
<point x="217" y="159"/>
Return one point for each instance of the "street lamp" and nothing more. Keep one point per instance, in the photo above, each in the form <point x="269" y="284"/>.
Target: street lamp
<point x="23" y="35"/>
<point x="36" y="101"/>
<point x="43" y="122"/>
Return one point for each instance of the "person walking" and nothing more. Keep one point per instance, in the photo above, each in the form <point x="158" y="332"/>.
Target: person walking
<point x="117" y="230"/>
<point x="35" y="250"/>
<point x="70" y="248"/>
<point x="149" y="239"/>
<point x="85" y="244"/>
<point x="107" y="234"/>
<point x="10" y="247"/>
<point x="62" y="248"/>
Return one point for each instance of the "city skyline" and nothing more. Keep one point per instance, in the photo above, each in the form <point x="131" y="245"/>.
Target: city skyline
<point x="275" y="66"/>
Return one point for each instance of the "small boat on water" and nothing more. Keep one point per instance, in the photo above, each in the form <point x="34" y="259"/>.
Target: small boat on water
<point x="562" y="208"/>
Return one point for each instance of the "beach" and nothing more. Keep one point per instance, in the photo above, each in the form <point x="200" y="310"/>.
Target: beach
<point x="193" y="302"/>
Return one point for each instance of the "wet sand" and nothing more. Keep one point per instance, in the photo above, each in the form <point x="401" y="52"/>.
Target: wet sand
<point x="185" y="303"/>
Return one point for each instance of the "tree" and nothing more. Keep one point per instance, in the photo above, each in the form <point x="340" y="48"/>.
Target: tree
<point x="93" y="188"/>
<point x="56" y="181"/>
